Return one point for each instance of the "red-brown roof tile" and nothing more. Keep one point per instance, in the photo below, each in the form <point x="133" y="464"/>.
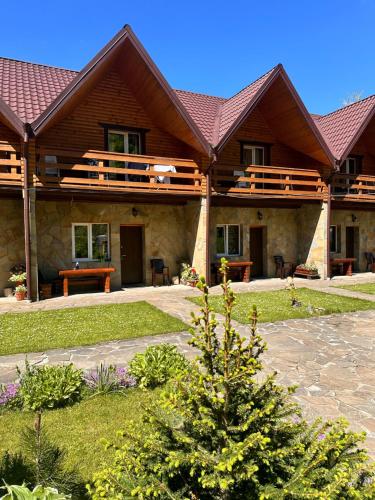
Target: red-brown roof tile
<point x="204" y="109"/>
<point x="233" y="107"/>
<point x="29" y="88"/>
<point x="340" y="127"/>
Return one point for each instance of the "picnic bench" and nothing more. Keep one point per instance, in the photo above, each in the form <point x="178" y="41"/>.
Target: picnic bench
<point x="244" y="267"/>
<point x="345" y="263"/>
<point x="102" y="275"/>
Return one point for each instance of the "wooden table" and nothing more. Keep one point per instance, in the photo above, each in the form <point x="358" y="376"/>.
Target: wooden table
<point x="75" y="274"/>
<point x="244" y="266"/>
<point x="346" y="263"/>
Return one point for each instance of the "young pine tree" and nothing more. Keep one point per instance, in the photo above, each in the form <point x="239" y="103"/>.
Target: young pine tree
<point x="223" y="430"/>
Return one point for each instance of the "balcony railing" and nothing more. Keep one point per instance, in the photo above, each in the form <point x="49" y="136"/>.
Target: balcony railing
<point x="102" y="170"/>
<point x="10" y="165"/>
<point x="356" y="187"/>
<point x="268" y="181"/>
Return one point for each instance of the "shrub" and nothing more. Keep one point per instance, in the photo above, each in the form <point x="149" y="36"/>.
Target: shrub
<point x="16" y="492"/>
<point x="223" y="431"/>
<point x="157" y="365"/>
<point x="47" y="387"/>
<point x="15" y="469"/>
<point x="107" y="379"/>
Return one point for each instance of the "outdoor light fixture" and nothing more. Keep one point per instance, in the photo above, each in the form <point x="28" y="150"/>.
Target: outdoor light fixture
<point x="260" y="215"/>
<point x="134" y="212"/>
<point x="354" y="218"/>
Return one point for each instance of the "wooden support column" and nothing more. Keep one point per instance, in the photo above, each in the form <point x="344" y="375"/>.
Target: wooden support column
<point x="329" y="208"/>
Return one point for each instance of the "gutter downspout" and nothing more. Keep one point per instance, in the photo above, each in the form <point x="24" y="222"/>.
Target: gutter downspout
<point x="329" y="200"/>
<point x="208" y="219"/>
<point x="26" y="213"/>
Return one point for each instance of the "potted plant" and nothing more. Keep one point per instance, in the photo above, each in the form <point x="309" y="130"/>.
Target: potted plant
<point x="309" y="271"/>
<point x="189" y="275"/>
<point x="20" y="292"/>
<point x="18" y="278"/>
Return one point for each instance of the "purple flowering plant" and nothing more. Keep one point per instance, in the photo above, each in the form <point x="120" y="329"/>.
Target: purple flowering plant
<point x="105" y="379"/>
<point x="9" y="395"/>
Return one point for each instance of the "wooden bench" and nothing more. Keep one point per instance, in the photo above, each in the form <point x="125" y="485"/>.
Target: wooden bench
<point x="244" y="268"/>
<point x="345" y="263"/>
<point x="100" y="275"/>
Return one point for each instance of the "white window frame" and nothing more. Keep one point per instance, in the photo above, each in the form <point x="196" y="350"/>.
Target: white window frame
<point x="225" y="226"/>
<point x="336" y="241"/>
<point x="89" y="241"/>
<point x="259" y="175"/>
<point x="253" y="147"/>
<point x="125" y="134"/>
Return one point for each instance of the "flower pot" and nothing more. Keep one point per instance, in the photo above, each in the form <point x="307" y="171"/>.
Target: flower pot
<point x="8" y="292"/>
<point x="306" y="273"/>
<point x="20" y="296"/>
<point x="192" y="283"/>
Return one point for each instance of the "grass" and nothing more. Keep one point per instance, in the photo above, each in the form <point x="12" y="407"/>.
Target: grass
<point x="364" y="288"/>
<point x="276" y="305"/>
<point x="79" y="429"/>
<point x="41" y="330"/>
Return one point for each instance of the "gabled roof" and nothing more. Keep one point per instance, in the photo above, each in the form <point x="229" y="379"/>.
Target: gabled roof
<point x="342" y="128"/>
<point x="234" y="107"/>
<point x="135" y="61"/>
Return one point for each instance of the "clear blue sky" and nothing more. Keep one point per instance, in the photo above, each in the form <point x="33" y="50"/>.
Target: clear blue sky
<point x="326" y="46"/>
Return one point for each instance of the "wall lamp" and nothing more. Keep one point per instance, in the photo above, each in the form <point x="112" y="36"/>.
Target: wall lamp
<point x="134" y="212"/>
<point x="259" y="215"/>
<point x="354" y="218"/>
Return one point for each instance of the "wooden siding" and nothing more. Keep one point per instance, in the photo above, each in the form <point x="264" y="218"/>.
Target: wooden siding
<point x="256" y="129"/>
<point x="111" y="102"/>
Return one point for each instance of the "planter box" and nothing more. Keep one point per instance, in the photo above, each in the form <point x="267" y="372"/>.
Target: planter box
<point x="306" y="273"/>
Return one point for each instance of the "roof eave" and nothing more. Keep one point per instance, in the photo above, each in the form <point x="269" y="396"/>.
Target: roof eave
<point x="11" y="118"/>
<point x="357" y="135"/>
<point x="250" y="106"/>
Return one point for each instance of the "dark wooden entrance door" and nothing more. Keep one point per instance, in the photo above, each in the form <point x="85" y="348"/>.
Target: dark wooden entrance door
<point x="352" y="244"/>
<point x="131" y="246"/>
<point x="257" y="251"/>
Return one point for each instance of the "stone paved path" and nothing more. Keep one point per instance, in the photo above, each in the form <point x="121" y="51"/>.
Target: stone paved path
<point x="331" y="358"/>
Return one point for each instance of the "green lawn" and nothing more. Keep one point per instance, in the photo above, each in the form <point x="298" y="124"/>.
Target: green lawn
<point x="364" y="288"/>
<point x="79" y="428"/>
<point x="276" y="305"/>
<point x="38" y="331"/>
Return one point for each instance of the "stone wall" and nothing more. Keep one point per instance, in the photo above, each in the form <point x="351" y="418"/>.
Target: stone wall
<point x="12" y="247"/>
<point x="164" y="233"/>
<point x="195" y="214"/>
<point x="281" y="226"/>
<point x="365" y="222"/>
<point x="312" y="236"/>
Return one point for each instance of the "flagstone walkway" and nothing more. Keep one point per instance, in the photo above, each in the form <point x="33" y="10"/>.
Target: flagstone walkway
<point x="330" y="358"/>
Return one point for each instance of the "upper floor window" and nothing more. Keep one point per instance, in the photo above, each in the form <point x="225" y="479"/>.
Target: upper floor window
<point x="352" y="165"/>
<point x="253" y="155"/>
<point x="90" y="241"/>
<point x="228" y="239"/>
<point x="124" y="142"/>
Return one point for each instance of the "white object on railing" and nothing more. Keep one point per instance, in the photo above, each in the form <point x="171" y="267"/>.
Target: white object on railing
<point x="164" y="168"/>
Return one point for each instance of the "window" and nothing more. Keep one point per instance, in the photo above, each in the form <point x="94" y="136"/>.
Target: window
<point x="351" y="166"/>
<point x="90" y="242"/>
<point x="335" y="239"/>
<point x="251" y="155"/>
<point x="228" y="239"/>
<point x="125" y="142"/>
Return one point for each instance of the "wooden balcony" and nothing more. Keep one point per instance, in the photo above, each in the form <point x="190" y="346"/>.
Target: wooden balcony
<point x="268" y="181"/>
<point x="103" y="170"/>
<point x="354" y="187"/>
<point x="10" y="165"/>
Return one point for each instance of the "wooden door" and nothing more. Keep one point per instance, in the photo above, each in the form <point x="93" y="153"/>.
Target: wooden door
<point x="257" y="244"/>
<point x="350" y="241"/>
<point x="352" y="244"/>
<point x="131" y="243"/>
